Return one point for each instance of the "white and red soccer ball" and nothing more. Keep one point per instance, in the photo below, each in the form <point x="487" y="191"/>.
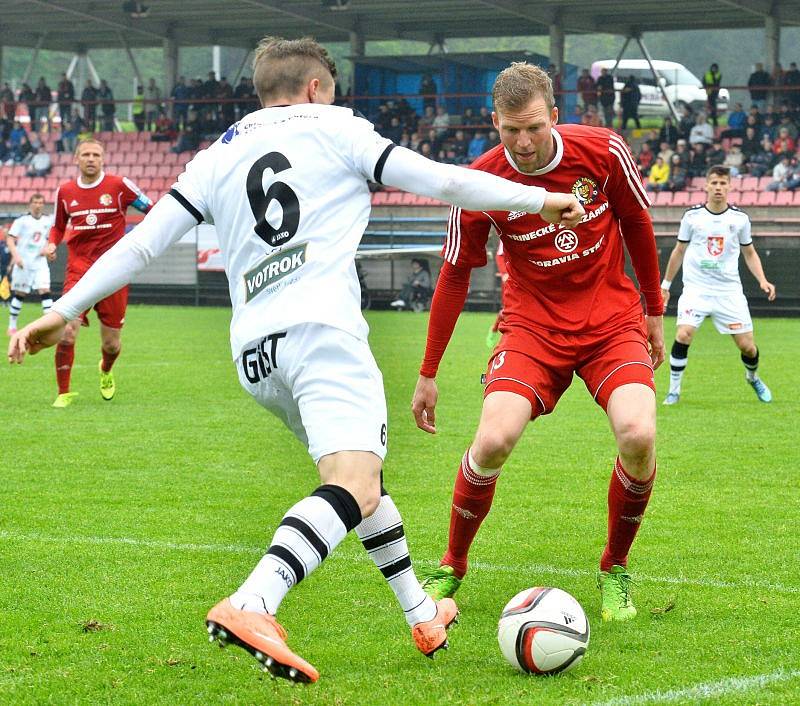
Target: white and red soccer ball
<point x="543" y="631"/>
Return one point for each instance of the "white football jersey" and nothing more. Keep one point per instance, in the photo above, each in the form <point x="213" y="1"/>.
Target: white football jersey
<point x="711" y="262"/>
<point x="286" y="188"/>
<point x="31" y="234"/>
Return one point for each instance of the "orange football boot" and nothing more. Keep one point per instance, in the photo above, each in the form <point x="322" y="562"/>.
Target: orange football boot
<point x="262" y="636"/>
<point x="431" y="635"/>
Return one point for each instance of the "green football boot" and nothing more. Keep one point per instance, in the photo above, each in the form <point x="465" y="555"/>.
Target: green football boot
<point x="493" y="338"/>
<point x="107" y="385"/>
<point x="64" y="400"/>
<point x="440" y="582"/>
<point x="615" y="588"/>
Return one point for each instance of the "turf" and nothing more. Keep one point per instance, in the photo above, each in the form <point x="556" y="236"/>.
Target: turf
<point x="123" y="522"/>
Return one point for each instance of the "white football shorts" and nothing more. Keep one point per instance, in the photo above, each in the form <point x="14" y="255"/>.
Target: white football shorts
<point x="31" y="278"/>
<point x="729" y="312"/>
<point x="323" y="384"/>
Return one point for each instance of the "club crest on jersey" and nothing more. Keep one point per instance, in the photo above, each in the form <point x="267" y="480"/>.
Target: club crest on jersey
<point x="106" y="200"/>
<point x="91" y="219"/>
<point x="273" y="269"/>
<point x="715" y="245"/>
<point x="230" y="133"/>
<point x="566" y="241"/>
<point x="585" y="190"/>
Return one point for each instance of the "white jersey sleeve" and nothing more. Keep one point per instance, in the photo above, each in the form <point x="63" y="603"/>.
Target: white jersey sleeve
<point x="191" y="189"/>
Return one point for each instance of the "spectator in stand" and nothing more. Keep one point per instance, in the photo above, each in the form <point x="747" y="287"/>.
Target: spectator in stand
<point x="492" y="139"/>
<point x="784" y="145"/>
<point x="555" y="76"/>
<point x="658" y="177"/>
<point x="8" y="106"/>
<point x="242" y="95"/>
<point x="769" y="128"/>
<point x="180" y="95"/>
<point x="414" y="141"/>
<point x="575" y="117"/>
<point x="759" y="162"/>
<point x="210" y="90"/>
<point x="69" y="137"/>
<point x="434" y="141"/>
<point x="428" y="91"/>
<point x="737" y="120"/>
<point x="653" y="141"/>
<point x="777" y="80"/>
<point x="665" y="152"/>
<point x="678" y="175"/>
<point x="394" y="130"/>
<point x="441" y="123"/>
<point x="751" y="143"/>
<point x="138" y="109"/>
<point x="590" y="117"/>
<point x="712" y="81"/>
<point x="645" y="159"/>
<point x="89" y="103"/>
<point x="606" y="94"/>
<point x="702" y="132"/>
<point x="469" y="118"/>
<point x="477" y="146"/>
<point x="27" y="96"/>
<point x="716" y="155"/>
<point x="65" y="98"/>
<point x="459" y="144"/>
<point x="164" y="128"/>
<point x="425" y="149"/>
<point x="685" y="123"/>
<point x="587" y="87"/>
<point x="405" y="139"/>
<point x="417" y="289"/>
<point x="682" y="153"/>
<point x="791" y="81"/>
<point x="425" y="123"/>
<point x="226" y="109"/>
<point x="780" y="175"/>
<point x="698" y="164"/>
<point x="734" y="160"/>
<point x="793" y="182"/>
<point x="152" y="100"/>
<point x="18" y="143"/>
<point x="189" y="139"/>
<point x="44" y="97"/>
<point x="107" y="106"/>
<point x="630" y="98"/>
<point x="755" y="117"/>
<point x="759" y="83"/>
<point x="41" y="164"/>
<point x="7" y="159"/>
<point x="485" y="116"/>
<point x="668" y="133"/>
<point x="788" y="124"/>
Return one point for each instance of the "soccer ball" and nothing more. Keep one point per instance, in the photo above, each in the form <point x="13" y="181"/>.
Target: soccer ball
<point x="543" y="631"/>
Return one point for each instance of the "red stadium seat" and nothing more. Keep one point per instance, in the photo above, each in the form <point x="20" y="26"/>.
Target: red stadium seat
<point x="767" y="198"/>
<point x="395" y="198"/>
<point x="749" y="183"/>
<point x="18" y="196"/>
<point x="763" y="183"/>
<point x="749" y="198"/>
<point x="380" y="198"/>
<point x="151" y="171"/>
<point x="734" y="197"/>
<point x="681" y="198"/>
<point x="167" y="171"/>
<point x="662" y="198"/>
<point x="783" y="198"/>
<point x="5" y="195"/>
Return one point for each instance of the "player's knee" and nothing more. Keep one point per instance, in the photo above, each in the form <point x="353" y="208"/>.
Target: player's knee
<point x="492" y="447"/>
<point x="684" y="335"/>
<point x="111" y="347"/>
<point x="636" y="438"/>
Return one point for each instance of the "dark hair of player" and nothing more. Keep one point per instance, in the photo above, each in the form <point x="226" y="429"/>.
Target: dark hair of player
<point x="719" y="170"/>
<point x="282" y="67"/>
<point x="518" y="85"/>
<point x="35" y="197"/>
<point x="88" y="141"/>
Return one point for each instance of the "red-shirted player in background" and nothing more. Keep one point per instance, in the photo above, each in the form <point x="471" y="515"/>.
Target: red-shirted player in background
<point x="569" y="308"/>
<point x="94" y="204"/>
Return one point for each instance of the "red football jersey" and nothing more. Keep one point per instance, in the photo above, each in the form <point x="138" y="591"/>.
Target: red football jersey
<point x="569" y="280"/>
<point x="96" y="215"/>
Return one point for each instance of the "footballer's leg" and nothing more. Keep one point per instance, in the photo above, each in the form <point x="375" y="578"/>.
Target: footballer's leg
<point x="14" y="309"/>
<point x="504" y="417"/>
<point x="678" y="358"/>
<point x="749" y="352"/>
<point x="46" y="298"/>
<point x="111" y="344"/>
<point x="632" y="414"/>
<point x="65" y="357"/>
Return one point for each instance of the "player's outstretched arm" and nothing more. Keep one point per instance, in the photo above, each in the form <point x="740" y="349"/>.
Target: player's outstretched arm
<point x="753" y="262"/>
<point x="423" y="404"/>
<point x="164" y="225"/>
<point x="46" y="331"/>
<point x="673" y="266"/>
<point x="475" y="190"/>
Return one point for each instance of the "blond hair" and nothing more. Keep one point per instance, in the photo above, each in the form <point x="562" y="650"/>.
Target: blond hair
<point x="88" y="141"/>
<point x="282" y="67"/>
<point x="518" y="85"/>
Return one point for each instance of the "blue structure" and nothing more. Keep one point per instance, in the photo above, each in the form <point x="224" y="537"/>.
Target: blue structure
<point x="462" y="80"/>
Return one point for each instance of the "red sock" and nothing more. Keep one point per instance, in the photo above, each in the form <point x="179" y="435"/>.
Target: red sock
<point x="627" y="500"/>
<point x="472" y="500"/>
<point x="65" y="355"/>
<point x="108" y="360"/>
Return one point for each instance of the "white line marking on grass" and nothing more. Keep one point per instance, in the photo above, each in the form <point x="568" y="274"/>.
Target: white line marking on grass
<point x="709" y="690"/>
<point x="525" y="569"/>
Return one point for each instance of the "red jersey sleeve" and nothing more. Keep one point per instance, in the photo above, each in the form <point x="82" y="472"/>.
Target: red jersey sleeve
<point x="467" y="233"/>
<point x="629" y="202"/>
<point x="132" y="195"/>
<point x="60" y="219"/>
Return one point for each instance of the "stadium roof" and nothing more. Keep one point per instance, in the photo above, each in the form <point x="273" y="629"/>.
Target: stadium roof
<point x="70" y="25"/>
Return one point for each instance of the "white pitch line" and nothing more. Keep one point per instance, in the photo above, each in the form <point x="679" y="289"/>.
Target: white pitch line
<point x="708" y="690"/>
<point x="525" y="569"/>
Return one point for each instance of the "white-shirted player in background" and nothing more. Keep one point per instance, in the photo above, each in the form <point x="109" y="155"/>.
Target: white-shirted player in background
<point x="286" y="188"/>
<point x="26" y="238"/>
<point x="709" y="241"/>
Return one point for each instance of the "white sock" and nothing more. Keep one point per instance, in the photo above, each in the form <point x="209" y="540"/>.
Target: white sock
<point x="309" y="531"/>
<point x="47" y="302"/>
<point x="384" y="538"/>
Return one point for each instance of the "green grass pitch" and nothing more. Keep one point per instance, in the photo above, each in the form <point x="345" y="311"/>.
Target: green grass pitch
<point x="123" y="522"/>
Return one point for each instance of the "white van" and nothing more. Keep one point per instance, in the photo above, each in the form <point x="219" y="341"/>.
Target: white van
<point x="681" y="85"/>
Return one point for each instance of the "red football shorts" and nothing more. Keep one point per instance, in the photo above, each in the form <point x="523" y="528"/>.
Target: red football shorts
<point x="110" y="311"/>
<point x="540" y="366"/>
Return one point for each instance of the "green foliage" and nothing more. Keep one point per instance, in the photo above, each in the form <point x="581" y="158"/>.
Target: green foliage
<point x="123" y="522"/>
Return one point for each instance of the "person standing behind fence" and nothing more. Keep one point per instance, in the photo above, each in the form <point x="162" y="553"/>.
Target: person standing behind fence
<point x="630" y="98"/>
<point x="108" y="107"/>
<point x="66" y="95"/>
<point x="712" y="80"/>
<point x="152" y="97"/>
<point x="89" y="103"/>
<point x="606" y="93"/>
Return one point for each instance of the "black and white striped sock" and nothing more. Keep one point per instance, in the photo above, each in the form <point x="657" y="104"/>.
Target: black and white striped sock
<point x="13" y="311"/>
<point x="309" y="531"/>
<point x="384" y="538"/>
<point x="751" y="365"/>
<point x="677" y="365"/>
